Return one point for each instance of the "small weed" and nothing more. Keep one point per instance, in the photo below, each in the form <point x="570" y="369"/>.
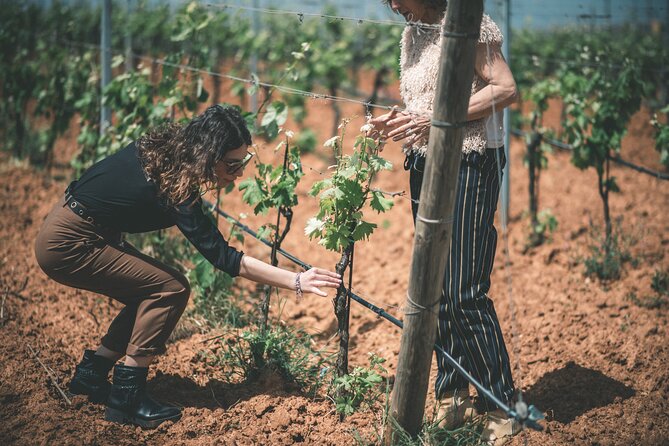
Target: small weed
<point x="187" y="326"/>
<point x="467" y="435"/>
<point x="282" y="349"/>
<point x="431" y="434"/>
<point x="607" y="257"/>
<point x="542" y="230"/>
<point x="361" y="387"/>
<point x="660" y="282"/>
<point x="649" y="302"/>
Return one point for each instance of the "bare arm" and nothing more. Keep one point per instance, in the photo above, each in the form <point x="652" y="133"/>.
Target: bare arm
<point x="500" y="90"/>
<point x="311" y="281"/>
<point x="501" y="87"/>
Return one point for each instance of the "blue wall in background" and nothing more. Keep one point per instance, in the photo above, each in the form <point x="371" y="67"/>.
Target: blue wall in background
<point x="524" y="13"/>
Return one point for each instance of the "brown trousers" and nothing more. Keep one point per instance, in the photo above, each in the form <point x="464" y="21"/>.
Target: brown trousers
<point x="79" y="254"/>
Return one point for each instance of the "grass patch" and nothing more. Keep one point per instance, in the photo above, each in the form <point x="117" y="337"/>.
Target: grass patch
<point x="608" y="257"/>
<point x="430" y="434"/>
<point x="660" y="282"/>
<point x="362" y="387"/>
<point x="542" y="231"/>
<point x="285" y="350"/>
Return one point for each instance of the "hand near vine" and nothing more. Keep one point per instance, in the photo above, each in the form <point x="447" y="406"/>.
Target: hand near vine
<point x="399" y="125"/>
<point x="407" y="125"/>
<point x="313" y="280"/>
<point x="379" y="127"/>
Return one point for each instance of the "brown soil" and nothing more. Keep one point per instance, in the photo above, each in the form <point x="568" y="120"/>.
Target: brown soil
<point x="592" y="360"/>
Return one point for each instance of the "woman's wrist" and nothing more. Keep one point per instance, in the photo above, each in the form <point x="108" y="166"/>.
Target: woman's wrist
<point x="298" y="285"/>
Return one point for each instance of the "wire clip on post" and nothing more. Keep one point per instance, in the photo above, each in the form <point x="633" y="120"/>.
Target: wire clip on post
<point x="454" y="35"/>
<point x="447" y="125"/>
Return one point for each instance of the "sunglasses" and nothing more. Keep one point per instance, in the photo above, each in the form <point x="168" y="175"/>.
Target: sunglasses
<point x="234" y="166"/>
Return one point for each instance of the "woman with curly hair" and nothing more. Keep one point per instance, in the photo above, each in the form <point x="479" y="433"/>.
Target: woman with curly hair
<point x="468" y="328"/>
<point x="151" y="184"/>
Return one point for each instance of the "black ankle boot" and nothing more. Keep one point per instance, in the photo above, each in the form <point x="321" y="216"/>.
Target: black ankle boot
<point x="90" y="377"/>
<point x="129" y="403"/>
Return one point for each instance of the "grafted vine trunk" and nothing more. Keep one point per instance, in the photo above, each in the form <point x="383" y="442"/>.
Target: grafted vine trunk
<point x="216" y="80"/>
<point x="536" y="239"/>
<point x="20" y="135"/>
<point x="216" y="91"/>
<point x="604" y="188"/>
<point x="336" y="110"/>
<point x="379" y="83"/>
<point x="342" y="307"/>
<point x="274" y="259"/>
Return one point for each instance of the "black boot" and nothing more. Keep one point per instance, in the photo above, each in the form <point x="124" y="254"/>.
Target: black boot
<point x="129" y="403"/>
<point x="90" y="377"/>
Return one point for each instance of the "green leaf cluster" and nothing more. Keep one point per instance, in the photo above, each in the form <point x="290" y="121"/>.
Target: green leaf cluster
<point x="608" y="253"/>
<point x="662" y="136"/>
<point x="271" y="187"/>
<point x="361" y="387"/>
<point x="64" y="77"/>
<point x="343" y="196"/>
<point x="215" y="297"/>
<point x="544" y="54"/>
<point x="39" y="79"/>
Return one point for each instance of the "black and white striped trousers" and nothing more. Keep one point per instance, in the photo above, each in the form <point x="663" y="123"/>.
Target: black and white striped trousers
<point x="468" y="327"/>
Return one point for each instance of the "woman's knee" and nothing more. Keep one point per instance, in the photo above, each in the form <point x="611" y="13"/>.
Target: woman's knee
<point x="179" y="288"/>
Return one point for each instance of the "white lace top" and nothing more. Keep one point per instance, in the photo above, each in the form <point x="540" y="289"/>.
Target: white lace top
<point x="419" y="67"/>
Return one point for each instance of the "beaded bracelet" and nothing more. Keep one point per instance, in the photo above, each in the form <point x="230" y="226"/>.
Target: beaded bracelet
<point x="298" y="285"/>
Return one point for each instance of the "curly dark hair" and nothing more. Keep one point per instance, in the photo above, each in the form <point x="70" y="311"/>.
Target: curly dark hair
<point x="438" y="5"/>
<point x="182" y="158"/>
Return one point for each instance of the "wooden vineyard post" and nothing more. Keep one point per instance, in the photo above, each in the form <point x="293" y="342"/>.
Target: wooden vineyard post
<point x="435" y="216"/>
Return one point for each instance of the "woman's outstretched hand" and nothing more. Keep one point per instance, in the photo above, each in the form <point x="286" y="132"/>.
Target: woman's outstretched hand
<point x="316" y="278"/>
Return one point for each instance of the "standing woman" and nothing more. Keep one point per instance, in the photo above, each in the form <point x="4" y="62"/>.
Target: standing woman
<point x="468" y="327"/>
<point x="153" y="183"/>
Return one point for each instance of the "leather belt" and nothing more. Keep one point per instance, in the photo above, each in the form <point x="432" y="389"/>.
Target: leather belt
<point x="78" y="208"/>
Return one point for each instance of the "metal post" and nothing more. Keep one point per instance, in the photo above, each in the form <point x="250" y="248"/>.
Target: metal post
<point x="608" y="14"/>
<point x="434" y="221"/>
<point x="254" y="56"/>
<point x="506" y="180"/>
<point x="105" y="61"/>
<point x="127" y="39"/>
<point x="665" y="26"/>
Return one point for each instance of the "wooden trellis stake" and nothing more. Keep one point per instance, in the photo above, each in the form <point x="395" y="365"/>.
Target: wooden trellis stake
<point x="435" y="216"/>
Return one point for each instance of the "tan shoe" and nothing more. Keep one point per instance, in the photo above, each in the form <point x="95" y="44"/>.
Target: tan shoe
<point x="499" y="428"/>
<point x="454" y="409"/>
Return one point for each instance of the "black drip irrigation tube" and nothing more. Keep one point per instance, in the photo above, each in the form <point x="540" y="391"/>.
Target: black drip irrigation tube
<point x="616" y="159"/>
<point x="528" y="416"/>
